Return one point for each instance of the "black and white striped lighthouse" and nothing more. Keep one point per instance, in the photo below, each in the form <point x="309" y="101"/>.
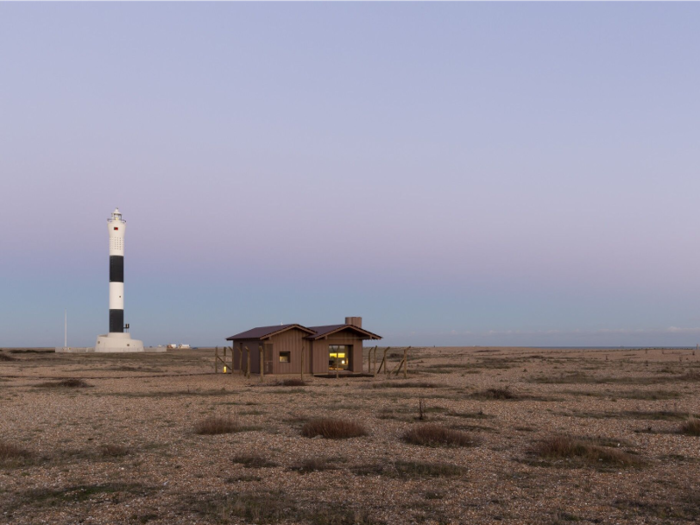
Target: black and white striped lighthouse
<point x="117" y="229"/>
<point x="117" y="340"/>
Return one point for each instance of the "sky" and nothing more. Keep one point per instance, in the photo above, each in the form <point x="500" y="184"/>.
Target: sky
<point x="455" y="173"/>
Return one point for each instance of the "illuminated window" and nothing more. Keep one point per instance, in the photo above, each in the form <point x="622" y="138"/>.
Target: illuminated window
<point x="339" y="357"/>
<point x="285" y="357"/>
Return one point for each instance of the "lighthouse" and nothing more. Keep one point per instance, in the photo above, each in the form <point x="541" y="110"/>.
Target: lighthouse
<point x="117" y="340"/>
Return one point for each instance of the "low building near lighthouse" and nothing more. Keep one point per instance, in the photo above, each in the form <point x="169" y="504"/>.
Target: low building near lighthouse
<point x="322" y="349"/>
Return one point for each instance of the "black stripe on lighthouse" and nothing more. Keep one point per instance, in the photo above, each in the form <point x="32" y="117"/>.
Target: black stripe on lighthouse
<point x="116" y="268"/>
<point x="116" y="320"/>
<point x="116" y="275"/>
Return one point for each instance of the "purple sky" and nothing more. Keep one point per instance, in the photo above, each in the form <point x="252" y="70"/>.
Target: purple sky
<point x="457" y="174"/>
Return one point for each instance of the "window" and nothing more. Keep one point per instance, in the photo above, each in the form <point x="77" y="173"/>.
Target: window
<point x="339" y="357"/>
<point x="285" y="357"/>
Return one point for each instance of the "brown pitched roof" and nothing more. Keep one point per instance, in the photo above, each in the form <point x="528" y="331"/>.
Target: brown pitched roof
<point x="323" y="331"/>
<point x="263" y="332"/>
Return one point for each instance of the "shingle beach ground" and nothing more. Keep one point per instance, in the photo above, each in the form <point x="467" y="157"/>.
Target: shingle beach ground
<point x="124" y="450"/>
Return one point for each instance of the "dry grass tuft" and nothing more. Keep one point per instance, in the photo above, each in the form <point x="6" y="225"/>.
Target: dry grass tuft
<point x="216" y="425"/>
<point x="113" y="451"/>
<point x="65" y="383"/>
<point x="691" y="427"/>
<point x="401" y="384"/>
<point x="410" y="470"/>
<point x="330" y="428"/>
<point x="253" y="461"/>
<point x="313" y="465"/>
<point x="496" y="393"/>
<point x="692" y="375"/>
<point x="566" y="447"/>
<point x="8" y="451"/>
<point x="431" y="435"/>
<point x="291" y="382"/>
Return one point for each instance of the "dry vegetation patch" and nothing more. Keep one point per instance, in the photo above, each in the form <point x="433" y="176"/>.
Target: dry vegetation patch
<point x="584" y="452"/>
<point x="273" y="507"/>
<point x="65" y="383"/>
<point x="216" y="425"/>
<point x="691" y="427"/>
<point x="432" y="435"/>
<point x="79" y="493"/>
<point x="253" y="461"/>
<point x="331" y="428"/>
<point x="114" y="451"/>
<point x="651" y="415"/>
<point x="647" y="395"/>
<point x="286" y="382"/>
<point x="502" y="394"/>
<point x="11" y="452"/>
<point x="410" y="470"/>
<point x="313" y="465"/>
<point x="292" y="382"/>
<point x="402" y="384"/>
<point x="692" y="375"/>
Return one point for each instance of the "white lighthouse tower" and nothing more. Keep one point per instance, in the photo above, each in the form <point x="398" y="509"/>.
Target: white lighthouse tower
<point x="117" y="340"/>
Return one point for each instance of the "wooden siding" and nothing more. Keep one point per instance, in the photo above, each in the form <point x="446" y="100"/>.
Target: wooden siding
<point x="253" y="346"/>
<point x="320" y="351"/>
<point x="291" y="341"/>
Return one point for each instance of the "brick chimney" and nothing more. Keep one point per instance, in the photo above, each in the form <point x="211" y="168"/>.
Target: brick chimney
<point x="354" y="321"/>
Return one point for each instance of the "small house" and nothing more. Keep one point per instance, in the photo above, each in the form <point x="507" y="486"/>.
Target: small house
<point x="285" y="349"/>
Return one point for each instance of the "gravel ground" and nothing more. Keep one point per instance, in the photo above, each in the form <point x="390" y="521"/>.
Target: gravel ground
<point x="124" y="450"/>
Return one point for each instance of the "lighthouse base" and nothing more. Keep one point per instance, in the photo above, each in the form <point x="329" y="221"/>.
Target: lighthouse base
<point x="118" y="343"/>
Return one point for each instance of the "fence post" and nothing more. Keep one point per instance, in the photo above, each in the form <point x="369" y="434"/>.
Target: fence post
<point x="216" y="357"/>
<point x="247" y="367"/>
<point x="262" y="368"/>
<point x="405" y="363"/>
<point x="302" y="362"/>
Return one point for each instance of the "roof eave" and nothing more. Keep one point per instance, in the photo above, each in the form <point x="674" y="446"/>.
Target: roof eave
<point x="370" y="335"/>
<point x="271" y="334"/>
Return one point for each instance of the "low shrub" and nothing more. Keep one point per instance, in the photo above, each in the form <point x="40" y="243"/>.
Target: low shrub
<point x="291" y="382"/>
<point x="113" y="451"/>
<point x="401" y="384"/>
<point x="8" y="451"/>
<point x="330" y="428"/>
<point x="692" y="375"/>
<point x="691" y="427"/>
<point x="409" y="470"/>
<point x="313" y="465"/>
<point x="65" y="383"/>
<point x="432" y="435"/>
<point x="414" y="469"/>
<point x="566" y="447"/>
<point x="216" y="425"/>
<point x="496" y="393"/>
<point x="253" y="461"/>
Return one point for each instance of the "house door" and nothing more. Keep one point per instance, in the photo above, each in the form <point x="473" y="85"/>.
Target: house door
<point x="267" y="353"/>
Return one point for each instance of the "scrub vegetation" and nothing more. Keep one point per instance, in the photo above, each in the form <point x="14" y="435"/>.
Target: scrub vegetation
<point x="471" y="436"/>
<point x="330" y="428"/>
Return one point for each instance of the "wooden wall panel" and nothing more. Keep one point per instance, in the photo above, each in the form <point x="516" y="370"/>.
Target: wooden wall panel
<point x="290" y="341"/>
